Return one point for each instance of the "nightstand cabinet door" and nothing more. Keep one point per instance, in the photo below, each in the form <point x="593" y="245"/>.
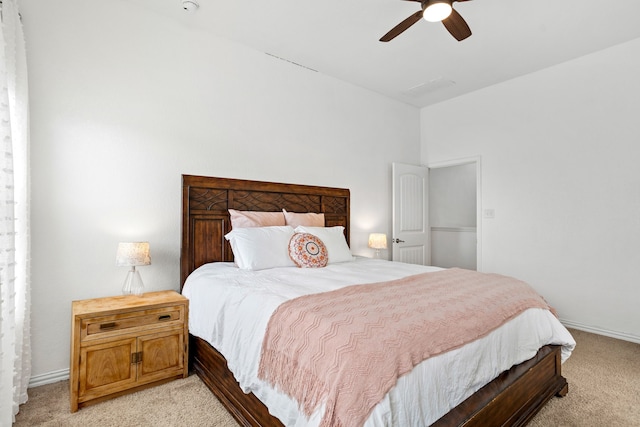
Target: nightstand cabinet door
<point x="106" y="368"/>
<point x="160" y="355"/>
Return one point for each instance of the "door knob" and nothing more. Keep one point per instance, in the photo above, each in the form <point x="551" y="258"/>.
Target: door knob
<point x="398" y="241"/>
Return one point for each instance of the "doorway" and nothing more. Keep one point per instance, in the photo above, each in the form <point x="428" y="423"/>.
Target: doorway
<point x="453" y="215"/>
<point x="445" y="214"/>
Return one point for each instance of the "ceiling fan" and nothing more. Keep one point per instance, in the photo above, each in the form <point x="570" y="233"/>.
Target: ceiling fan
<point x="434" y="11"/>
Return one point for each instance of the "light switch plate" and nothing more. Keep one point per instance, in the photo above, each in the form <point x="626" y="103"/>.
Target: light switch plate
<point x="489" y="213"/>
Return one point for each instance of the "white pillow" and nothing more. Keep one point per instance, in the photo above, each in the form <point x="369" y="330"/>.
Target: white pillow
<point x="258" y="248"/>
<point x="333" y="238"/>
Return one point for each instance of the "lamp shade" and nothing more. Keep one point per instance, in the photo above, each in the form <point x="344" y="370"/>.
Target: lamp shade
<point x="132" y="254"/>
<point x="378" y="241"/>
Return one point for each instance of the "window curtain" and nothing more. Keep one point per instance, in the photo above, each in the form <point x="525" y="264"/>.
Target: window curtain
<point x="15" y="346"/>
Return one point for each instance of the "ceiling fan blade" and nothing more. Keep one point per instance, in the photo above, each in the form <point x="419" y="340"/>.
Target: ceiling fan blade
<point x="457" y="26"/>
<point x="401" y="27"/>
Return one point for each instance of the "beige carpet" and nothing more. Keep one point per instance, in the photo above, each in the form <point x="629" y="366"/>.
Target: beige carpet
<point x="604" y="386"/>
<point x="603" y="375"/>
<point x="185" y="402"/>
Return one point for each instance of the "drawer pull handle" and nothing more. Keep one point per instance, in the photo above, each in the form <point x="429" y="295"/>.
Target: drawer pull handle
<point x="110" y="325"/>
<point x="164" y="317"/>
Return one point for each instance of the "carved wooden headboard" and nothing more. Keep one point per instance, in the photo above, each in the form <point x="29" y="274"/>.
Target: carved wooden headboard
<point x="205" y="215"/>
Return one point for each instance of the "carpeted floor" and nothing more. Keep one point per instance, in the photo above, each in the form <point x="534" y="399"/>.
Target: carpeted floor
<point x="603" y="375"/>
<point x="185" y="402"/>
<point x="604" y="386"/>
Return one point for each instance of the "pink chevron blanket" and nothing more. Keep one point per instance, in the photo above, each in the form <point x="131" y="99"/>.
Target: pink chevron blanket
<point x="347" y="348"/>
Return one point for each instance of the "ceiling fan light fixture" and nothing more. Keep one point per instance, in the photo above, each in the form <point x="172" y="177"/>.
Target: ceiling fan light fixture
<point x="437" y="10"/>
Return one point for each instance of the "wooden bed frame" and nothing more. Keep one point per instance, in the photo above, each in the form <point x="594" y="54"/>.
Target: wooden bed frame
<point x="512" y="399"/>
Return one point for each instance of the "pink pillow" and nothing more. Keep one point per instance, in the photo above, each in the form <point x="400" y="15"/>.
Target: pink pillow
<point x="308" y="251"/>
<point x="306" y="219"/>
<point x="245" y="219"/>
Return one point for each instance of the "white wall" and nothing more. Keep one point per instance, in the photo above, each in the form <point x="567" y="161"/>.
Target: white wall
<point x="560" y="153"/>
<point x="124" y="101"/>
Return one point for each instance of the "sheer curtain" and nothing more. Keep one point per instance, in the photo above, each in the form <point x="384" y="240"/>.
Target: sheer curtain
<point x="15" y="346"/>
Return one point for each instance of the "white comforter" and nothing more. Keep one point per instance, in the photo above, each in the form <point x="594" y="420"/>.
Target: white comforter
<point x="230" y="309"/>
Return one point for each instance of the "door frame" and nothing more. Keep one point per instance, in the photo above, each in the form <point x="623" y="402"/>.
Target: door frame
<point x="463" y="161"/>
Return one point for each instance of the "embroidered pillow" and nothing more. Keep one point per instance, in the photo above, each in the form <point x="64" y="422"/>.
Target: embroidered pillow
<point x="308" y="219"/>
<point x="308" y="251"/>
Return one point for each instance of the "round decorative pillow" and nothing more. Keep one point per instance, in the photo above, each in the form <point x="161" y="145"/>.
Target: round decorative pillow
<point x="308" y="251"/>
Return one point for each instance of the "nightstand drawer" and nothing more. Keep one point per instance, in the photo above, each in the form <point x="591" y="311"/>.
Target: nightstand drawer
<point x="98" y="326"/>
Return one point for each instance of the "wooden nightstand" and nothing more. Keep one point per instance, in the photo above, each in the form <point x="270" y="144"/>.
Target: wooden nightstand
<point x="126" y="343"/>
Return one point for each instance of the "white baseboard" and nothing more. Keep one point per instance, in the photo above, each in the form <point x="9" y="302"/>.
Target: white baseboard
<point x="607" y="333"/>
<point x="49" y="378"/>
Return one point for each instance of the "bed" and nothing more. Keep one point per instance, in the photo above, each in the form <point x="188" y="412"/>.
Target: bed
<point x="512" y="398"/>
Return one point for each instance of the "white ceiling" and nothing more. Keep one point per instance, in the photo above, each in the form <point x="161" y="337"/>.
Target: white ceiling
<point x="339" y="38"/>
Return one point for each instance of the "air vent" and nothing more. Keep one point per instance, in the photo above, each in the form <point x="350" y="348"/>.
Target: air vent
<point x="429" y="87"/>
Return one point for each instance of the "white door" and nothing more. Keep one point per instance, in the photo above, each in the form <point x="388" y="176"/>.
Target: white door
<point x="410" y="239"/>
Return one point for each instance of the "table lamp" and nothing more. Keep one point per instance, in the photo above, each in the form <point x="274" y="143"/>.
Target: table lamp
<point x="132" y="254"/>
<point x="377" y="241"/>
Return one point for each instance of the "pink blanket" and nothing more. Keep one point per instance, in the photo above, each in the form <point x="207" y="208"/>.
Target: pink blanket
<point x="347" y="348"/>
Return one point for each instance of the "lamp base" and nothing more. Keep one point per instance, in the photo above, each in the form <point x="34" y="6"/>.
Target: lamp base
<point x="133" y="283"/>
